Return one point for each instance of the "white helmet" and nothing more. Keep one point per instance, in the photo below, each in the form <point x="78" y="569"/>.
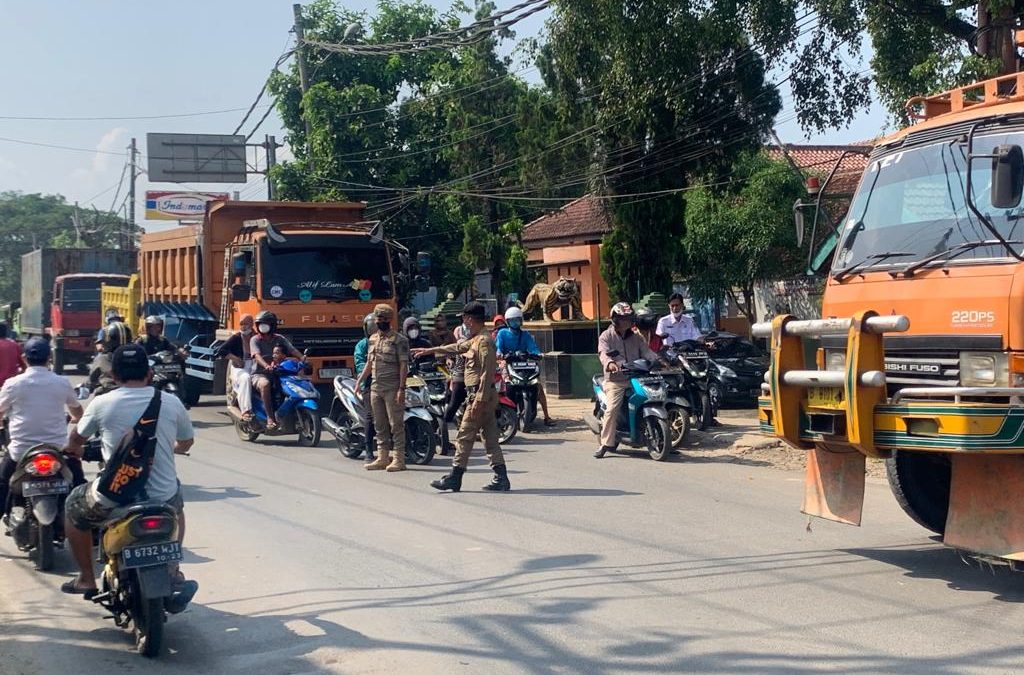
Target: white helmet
<point x="513" y="313"/>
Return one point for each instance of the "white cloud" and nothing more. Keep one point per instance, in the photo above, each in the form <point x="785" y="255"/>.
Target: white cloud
<point x="114" y="140"/>
<point x="104" y="167"/>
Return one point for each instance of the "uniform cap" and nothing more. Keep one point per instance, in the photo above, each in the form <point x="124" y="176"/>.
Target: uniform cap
<point x="383" y="311"/>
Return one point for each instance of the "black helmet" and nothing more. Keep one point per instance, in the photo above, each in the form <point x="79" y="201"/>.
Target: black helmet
<point x="116" y="334"/>
<point x="646" y="318"/>
<point x="268" y="318"/>
<point x="370" y="324"/>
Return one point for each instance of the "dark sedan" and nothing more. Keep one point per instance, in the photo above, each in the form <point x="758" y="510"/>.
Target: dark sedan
<point x="736" y="369"/>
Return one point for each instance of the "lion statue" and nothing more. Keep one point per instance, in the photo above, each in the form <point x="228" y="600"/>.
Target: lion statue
<point x="551" y="297"/>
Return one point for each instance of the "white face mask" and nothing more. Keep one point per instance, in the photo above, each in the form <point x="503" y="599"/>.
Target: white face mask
<point x="264" y="328"/>
<point x="414" y="333"/>
<point x="677" y="312"/>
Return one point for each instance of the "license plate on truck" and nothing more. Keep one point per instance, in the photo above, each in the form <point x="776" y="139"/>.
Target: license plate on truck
<point x="151" y="554"/>
<point x="825" y="397"/>
<point x="331" y="373"/>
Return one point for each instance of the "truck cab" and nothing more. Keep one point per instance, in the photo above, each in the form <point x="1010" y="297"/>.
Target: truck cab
<point x="76" y="316"/>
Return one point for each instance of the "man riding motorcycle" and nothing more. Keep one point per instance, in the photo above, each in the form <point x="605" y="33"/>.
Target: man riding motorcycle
<point x="236" y="350"/>
<point x="101" y="376"/>
<point x="154" y="340"/>
<point x="113" y="416"/>
<point x="512" y="338"/>
<point x="111" y="316"/>
<point x="261" y="346"/>
<point x="34" y="403"/>
<point x="414" y="332"/>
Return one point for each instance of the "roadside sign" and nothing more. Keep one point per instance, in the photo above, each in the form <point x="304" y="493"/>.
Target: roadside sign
<point x="179" y="205"/>
<point x="196" y="158"/>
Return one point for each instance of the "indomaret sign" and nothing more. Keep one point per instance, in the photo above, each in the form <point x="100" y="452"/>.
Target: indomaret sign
<point x="179" y="205"/>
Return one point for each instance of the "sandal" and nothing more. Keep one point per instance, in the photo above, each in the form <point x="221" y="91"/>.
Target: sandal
<point x="71" y="587"/>
<point x="271" y="425"/>
<point x="247" y="417"/>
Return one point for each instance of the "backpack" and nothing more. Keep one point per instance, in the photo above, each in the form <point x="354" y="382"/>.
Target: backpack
<point x="123" y="479"/>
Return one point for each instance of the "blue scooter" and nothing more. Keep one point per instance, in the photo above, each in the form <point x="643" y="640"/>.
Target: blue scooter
<point x="295" y="400"/>
<point x="643" y="421"/>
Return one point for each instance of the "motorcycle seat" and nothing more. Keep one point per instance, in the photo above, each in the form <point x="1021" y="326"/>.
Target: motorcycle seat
<point x="142" y="509"/>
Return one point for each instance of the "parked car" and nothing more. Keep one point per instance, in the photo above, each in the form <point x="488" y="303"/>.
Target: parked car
<point x="736" y="369"/>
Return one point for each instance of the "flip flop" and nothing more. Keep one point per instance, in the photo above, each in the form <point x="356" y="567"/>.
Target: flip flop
<point x="72" y="589"/>
<point x="271" y="425"/>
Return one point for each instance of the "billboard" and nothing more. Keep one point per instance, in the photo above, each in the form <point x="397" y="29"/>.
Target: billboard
<point x="196" y="158"/>
<point x="179" y="205"/>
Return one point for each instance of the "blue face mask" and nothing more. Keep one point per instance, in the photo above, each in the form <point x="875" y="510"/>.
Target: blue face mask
<point x="515" y="324"/>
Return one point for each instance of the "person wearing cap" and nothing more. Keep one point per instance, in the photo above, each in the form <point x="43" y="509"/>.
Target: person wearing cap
<point x="236" y="350"/>
<point x="441" y="334"/>
<point x="34" y="403"/>
<point x="479" y="418"/>
<point x="387" y="362"/>
<point x="113" y="416"/>
<point x="617" y="346"/>
<point x="10" y="356"/>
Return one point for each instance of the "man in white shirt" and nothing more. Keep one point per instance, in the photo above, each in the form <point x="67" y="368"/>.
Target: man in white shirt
<point x="113" y="415"/>
<point x="34" y="403"/>
<point x="676" y="327"/>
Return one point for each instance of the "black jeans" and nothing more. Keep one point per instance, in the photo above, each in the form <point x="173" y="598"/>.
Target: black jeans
<point x="458" y="397"/>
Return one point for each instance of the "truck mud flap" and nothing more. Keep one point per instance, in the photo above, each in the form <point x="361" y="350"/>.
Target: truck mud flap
<point x="834" y="486"/>
<point x="986" y="515"/>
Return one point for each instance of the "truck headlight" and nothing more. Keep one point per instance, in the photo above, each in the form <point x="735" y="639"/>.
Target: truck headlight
<point x="835" y="360"/>
<point x="984" y="369"/>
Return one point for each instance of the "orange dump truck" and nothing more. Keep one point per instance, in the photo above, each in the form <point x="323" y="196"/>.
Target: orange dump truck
<point x="922" y="331"/>
<point x="318" y="266"/>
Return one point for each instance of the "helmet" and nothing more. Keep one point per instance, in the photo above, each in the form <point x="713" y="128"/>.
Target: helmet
<point x="499" y="319"/>
<point x="514" y="318"/>
<point x="646" y="318"/>
<point x="410" y="322"/>
<point x="111" y="315"/>
<point x="115" y="335"/>
<point x="268" y="318"/>
<point x="369" y="324"/>
<point x="622" y="310"/>
<point x="154" y="320"/>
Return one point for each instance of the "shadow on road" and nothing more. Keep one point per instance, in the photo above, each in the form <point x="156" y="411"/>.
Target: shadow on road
<point x="192" y="493"/>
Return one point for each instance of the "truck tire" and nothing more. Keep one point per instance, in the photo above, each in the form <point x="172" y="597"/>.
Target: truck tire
<point x="191" y="390"/>
<point x="58" y="359"/>
<point x="920" y="481"/>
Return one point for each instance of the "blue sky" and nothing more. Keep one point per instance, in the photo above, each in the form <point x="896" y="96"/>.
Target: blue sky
<point x="120" y="58"/>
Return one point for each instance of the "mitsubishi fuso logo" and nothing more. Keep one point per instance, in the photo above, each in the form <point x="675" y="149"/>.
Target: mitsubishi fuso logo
<point x="919" y="368"/>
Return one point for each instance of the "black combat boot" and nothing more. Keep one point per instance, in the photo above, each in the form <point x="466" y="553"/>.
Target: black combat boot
<point x="500" y="481"/>
<point x="452" y="481"/>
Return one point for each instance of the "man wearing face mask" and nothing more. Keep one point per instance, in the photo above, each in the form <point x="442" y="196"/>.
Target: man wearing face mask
<point x="387" y="362"/>
<point x="261" y="346"/>
<point x="236" y="351"/>
<point x="676" y="327"/>
<point x="414" y="332"/>
<point x="512" y="338"/>
<point x="617" y="346"/>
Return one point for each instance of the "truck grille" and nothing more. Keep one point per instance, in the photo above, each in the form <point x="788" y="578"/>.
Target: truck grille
<point x="324" y="341"/>
<point x="933" y="368"/>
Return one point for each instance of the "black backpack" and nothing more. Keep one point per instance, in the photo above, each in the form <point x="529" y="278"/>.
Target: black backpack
<point x="123" y="479"/>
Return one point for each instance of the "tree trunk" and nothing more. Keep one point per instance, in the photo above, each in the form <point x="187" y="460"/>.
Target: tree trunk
<point x="497" y="264"/>
<point x="996" y="39"/>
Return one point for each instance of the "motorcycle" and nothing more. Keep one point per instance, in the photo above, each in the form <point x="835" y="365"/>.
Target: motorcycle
<point x="139" y="547"/>
<point x="522" y="378"/>
<point x="348" y="420"/>
<point x="38" y="489"/>
<point x="692" y="358"/>
<point x="507" y="413"/>
<point x="644" y="418"/>
<point x="168" y="370"/>
<point x="296" y="409"/>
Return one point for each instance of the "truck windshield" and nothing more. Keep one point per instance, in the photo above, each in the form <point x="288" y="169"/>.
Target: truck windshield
<point x="914" y="202"/>
<point x="83" y="295"/>
<point x="325" y="273"/>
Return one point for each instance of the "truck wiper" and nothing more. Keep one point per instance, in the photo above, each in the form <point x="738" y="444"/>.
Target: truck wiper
<point x="870" y="260"/>
<point x="950" y="253"/>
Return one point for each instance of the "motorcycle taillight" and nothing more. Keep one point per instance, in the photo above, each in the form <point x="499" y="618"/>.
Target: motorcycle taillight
<point x="147" y="526"/>
<point x="43" y="465"/>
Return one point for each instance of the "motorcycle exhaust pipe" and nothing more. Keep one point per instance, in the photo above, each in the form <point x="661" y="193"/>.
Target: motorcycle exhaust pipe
<point x="332" y="427"/>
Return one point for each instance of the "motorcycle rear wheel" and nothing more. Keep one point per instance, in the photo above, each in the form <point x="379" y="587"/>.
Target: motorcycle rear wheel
<point x="308" y="424"/>
<point x="658" y="438"/>
<point x="149" y="626"/>
<point x="420" y="441"/>
<point x="344" y="439"/>
<point x="703" y="415"/>
<point x="44" y="548"/>
<point x="508" y="424"/>
<point x="244" y="434"/>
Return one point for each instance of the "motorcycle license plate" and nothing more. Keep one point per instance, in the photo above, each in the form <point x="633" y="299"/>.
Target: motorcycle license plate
<point x="166" y="368"/>
<point x="331" y="373"/>
<point x="825" y="397"/>
<point x="152" y="554"/>
<point x="41" y="488"/>
<point x="525" y="365"/>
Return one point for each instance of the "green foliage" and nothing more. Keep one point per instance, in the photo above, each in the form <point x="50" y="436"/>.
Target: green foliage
<point x="743" y="234"/>
<point x="31" y="221"/>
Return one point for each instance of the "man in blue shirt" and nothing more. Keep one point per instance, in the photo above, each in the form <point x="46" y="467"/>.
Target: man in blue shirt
<point x="512" y="338"/>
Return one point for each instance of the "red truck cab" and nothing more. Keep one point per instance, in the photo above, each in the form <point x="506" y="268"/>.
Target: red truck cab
<point x="76" y="315"/>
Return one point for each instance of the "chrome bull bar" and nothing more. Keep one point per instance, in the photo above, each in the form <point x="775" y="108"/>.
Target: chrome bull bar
<point x="1016" y="395"/>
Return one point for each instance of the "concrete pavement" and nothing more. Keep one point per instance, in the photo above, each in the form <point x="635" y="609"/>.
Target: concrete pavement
<point x="309" y="564"/>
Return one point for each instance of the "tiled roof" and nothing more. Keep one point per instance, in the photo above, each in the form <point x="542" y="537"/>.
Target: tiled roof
<point x="583" y="220"/>
<point x="820" y="159"/>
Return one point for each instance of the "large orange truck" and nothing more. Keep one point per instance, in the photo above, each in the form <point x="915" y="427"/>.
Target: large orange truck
<point x="922" y="331"/>
<point x="318" y="266"/>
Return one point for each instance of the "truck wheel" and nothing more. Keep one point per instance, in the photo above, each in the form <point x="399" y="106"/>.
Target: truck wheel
<point x="58" y="360"/>
<point x="191" y="390"/>
<point x="920" y="482"/>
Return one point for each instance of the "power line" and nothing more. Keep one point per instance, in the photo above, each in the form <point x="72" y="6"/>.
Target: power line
<point x="59" y="147"/>
<point x="32" y="118"/>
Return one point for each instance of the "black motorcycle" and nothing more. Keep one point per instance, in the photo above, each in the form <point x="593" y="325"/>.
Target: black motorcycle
<point x="38" y="488"/>
<point x="692" y="381"/>
<point x="168" y="368"/>
<point x="522" y="380"/>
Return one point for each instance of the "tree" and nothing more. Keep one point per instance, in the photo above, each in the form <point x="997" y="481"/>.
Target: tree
<point x="742" y="234"/>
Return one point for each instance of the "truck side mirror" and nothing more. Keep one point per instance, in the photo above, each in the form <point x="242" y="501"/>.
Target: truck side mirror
<point x="241" y="292"/>
<point x="798" y="220"/>
<point x="1007" y="176"/>
<point x="239" y="262"/>
<point x="423" y="262"/>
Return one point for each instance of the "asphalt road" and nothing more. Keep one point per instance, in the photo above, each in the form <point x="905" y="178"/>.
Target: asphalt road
<point x="309" y="564"/>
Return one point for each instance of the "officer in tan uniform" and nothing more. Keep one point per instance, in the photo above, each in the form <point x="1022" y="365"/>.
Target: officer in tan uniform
<point x="387" y="361"/>
<point x="482" y="402"/>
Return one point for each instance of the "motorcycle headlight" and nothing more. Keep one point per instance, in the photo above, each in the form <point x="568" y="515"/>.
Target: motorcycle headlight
<point x="299" y="391"/>
<point x="416" y="397"/>
<point x="725" y="371"/>
<point x="654" y="393"/>
<point x="984" y="369"/>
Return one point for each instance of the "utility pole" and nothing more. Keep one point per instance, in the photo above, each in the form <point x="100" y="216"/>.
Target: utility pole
<point x="300" y="55"/>
<point x="77" y="222"/>
<point x="131" y="196"/>
<point x="271" y="146"/>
